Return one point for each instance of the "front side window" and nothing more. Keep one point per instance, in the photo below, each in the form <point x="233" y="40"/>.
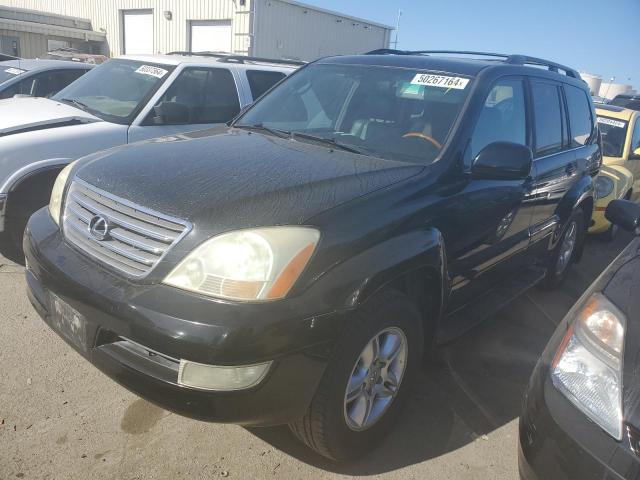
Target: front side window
<point x="548" y="118"/>
<point x="614" y="134"/>
<point x="116" y="90"/>
<point x="635" y="138"/>
<point x="580" y="120"/>
<point x="503" y="117"/>
<point x="392" y="113"/>
<point x="262" y="80"/>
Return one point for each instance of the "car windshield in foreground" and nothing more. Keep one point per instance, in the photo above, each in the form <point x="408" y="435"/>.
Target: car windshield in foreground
<point x="9" y="73"/>
<point x="116" y="90"/>
<point x="614" y="133"/>
<point x="392" y="113"/>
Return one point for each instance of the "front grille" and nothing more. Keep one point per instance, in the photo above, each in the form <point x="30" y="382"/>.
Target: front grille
<point x="137" y="238"/>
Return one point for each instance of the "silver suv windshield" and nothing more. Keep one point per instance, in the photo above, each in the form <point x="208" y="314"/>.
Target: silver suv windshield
<point x="393" y="113"/>
<point x="116" y="90"/>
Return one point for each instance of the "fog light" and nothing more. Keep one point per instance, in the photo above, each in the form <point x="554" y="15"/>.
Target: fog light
<point x="213" y="377"/>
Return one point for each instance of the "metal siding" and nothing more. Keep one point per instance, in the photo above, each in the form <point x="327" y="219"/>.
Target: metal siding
<point x="31" y="44"/>
<point x="284" y="30"/>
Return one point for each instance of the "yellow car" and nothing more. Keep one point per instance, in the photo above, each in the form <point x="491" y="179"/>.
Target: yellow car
<point x="619" y="176"/>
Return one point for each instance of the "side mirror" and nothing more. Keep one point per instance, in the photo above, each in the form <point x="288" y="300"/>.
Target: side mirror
<point x="171" y="113"/>
<point x="625" y="214"/>
<point x="503" y="161"/>
<point x="635" y="154"/>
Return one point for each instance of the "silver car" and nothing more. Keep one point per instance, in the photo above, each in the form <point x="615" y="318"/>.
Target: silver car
<point x="38" y="78"/>
<point x="124" y="100"/>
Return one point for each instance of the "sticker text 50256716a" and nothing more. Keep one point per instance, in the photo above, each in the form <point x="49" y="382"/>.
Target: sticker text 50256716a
<point x="442" y="81"/>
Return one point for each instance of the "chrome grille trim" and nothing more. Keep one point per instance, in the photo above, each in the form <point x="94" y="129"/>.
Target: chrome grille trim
<point x="138" y="239"/>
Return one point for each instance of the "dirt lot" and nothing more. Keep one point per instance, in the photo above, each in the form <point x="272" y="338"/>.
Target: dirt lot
<point x="62" y="419"/>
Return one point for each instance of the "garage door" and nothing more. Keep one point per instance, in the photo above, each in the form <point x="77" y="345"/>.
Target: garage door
<point x="138" y="31"/>
<point x="211" y="36"/>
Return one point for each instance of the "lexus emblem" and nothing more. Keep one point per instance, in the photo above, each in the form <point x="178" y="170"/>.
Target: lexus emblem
<point x="99" y="228"/>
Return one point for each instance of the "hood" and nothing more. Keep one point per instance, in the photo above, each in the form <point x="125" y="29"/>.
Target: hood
<point x="23" y="114"/>
<point x="224" y="179"/>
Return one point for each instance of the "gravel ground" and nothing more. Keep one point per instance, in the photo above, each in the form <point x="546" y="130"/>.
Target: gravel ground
<point x="60" y="418"/>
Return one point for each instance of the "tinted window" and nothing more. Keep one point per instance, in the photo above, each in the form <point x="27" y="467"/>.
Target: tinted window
<point x="635" y="139"/>
<point x="21" y="88"/>
<point x="393" y="113"/>
<point x="626" y="102"/>
<point x="614" y="134"/>
<point x="50" y="83"/>
<point x="260" y="81"/>
<point x="205" y="95"/>
<point x="548" y="118"/>
<point x="579" y="116"/>
<point x="503" y="117"/>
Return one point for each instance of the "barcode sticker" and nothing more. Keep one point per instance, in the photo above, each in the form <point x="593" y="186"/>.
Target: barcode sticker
<point x="441" y="81"/>
<point x="153" y="71"/>
<point x="613" y="123"/>
<point x="14" y="71"/>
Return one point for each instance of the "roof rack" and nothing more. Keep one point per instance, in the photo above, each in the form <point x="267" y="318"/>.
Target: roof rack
<point x="230" y="57"/>
<point x="508" y="58"/>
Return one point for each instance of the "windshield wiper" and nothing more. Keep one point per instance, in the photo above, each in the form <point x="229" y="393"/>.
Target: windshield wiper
<point x="263" y="128"/>
<point x="76" y="103"/>
<point x="329" y="141"/>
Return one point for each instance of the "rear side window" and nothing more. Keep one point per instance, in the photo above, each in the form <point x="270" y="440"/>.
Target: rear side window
<point x="21" y="88"/>
<point x="260" y="81"/>
<point x="503" y="117"/>
<point x="198" y="96"/>
<point x="580" y="121"/>
<point x="50" y="83"/>
<point x="548" y="118"/>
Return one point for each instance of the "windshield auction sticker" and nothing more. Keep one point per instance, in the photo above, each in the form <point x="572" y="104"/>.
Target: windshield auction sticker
<point x="14" y="71"/>
<point x="441" y="81"/>
<point x="153" y="71"/>
<point x="612" y="122"/>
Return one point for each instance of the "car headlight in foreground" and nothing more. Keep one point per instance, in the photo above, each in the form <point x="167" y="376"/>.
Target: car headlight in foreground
<point x="587" y="367"/>
<point x="604" y="186"/>
<point x="55" y="204"/>
<point x="250" y="265"/>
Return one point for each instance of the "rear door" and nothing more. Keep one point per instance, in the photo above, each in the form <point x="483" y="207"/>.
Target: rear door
<point x="199" y="98"/>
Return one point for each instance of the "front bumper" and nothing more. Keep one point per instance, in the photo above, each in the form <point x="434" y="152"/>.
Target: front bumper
<point x="557" y="441"/>
<point x="178" y="325"/>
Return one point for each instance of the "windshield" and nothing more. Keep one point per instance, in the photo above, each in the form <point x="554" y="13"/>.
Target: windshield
<point x="9" y="73"/>
<point x="614" y="133"/>
<point x="392" y="113"/>
<point x="116" y="90"/>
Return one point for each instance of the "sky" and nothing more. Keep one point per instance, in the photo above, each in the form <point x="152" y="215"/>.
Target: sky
<point x="596" y="36"/>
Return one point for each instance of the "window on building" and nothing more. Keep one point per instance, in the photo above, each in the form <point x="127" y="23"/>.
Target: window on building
<point x="548" y="118"/>
<point x="503" y="117"/>
<point x="580" y="120"/>
<point x="199" y="96"/>
<point x="261" y="80"/>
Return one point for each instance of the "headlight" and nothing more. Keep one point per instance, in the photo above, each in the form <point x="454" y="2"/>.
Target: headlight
<point x="604" y="187"/>
<point x="55" y="204"/>
<point x="250" y="265"/>
<point x="587" y="368"/>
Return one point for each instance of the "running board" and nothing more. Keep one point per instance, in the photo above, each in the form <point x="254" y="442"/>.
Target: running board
<point x="460" y="321"/>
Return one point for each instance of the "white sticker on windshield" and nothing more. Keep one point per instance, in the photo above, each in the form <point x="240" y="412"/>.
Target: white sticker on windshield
<point x="613" y="123"/>
<point x="14" y="71"/>
<point x="441" y="81"/>
<point x="153" y="71"/>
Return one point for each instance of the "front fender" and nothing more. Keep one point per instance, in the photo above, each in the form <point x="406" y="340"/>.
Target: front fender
<point x="581" y="191"/>
<point x="16" y="178"/>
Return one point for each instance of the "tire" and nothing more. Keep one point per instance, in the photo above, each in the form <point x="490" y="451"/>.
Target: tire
<point x="11" y="241"/>
<point x="329" y="427"/>
<point x="561" y="259"/>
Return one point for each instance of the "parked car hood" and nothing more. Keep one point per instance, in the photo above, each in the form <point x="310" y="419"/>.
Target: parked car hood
<point x="221" y="179"/>
<point x="26" y="113"/>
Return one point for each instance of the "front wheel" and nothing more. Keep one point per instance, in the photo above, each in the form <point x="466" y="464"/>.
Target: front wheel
<point x="366" y="381"/>
<point x="565" y="252"/>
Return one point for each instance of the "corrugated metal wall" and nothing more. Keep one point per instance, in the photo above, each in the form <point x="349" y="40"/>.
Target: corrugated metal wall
<point x="282" y="29"/>
<point x="290" y="31"/>
<point x="169" y="35"/>
<point x="31" y="45"/>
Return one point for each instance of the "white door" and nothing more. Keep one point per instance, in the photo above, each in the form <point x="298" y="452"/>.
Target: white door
<point x="138" y="32"/>
<point x="211" y="36"/>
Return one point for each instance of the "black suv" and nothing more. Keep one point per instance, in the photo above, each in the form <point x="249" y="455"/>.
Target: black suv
<point x="293" y="267"/>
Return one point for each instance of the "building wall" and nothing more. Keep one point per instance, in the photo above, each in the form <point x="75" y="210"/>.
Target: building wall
<point x="31" y="45"/>
<point x="284" y="30"/>
<point x="169" y="35"/>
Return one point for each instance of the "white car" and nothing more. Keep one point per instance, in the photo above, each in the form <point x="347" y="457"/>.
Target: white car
<point x="124" y="100"/>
